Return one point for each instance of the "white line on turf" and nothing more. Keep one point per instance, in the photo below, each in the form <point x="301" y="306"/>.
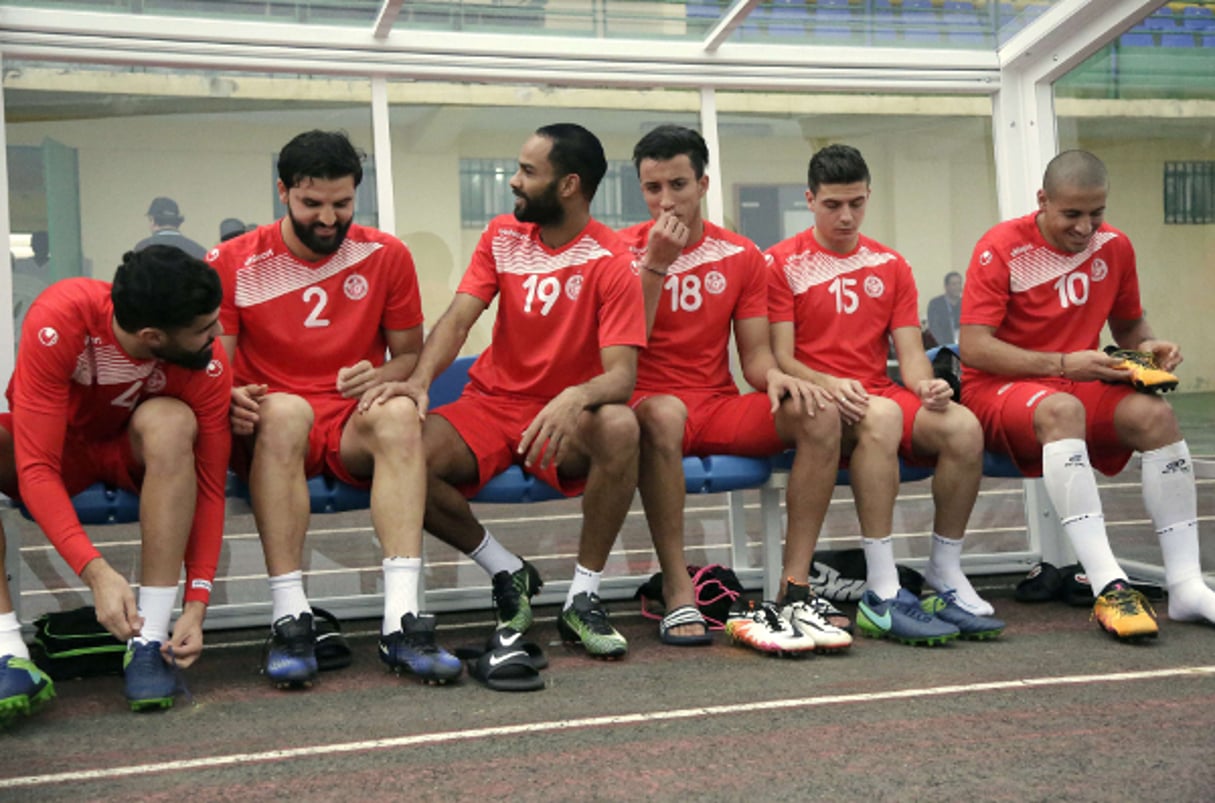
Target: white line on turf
<point x="235" y="759"/>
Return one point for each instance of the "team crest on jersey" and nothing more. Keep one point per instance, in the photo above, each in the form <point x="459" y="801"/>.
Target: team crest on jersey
<point x="212" y="254"/>
<point x="355" y="287"/>
<point x="47" y="336"/>
<point x="573" y="287"/>
<point x="985" y="258"/>
<point x="215" y="368"/>
<point x="155" y="382"/>
<point x="1100" y="269"/>
<point x="715" y="282"/>
<point x="874" y="287"/>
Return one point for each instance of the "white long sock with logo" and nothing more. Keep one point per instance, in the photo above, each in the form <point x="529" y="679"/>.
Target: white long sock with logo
<point x="11" y="642"/>
<point x="287" y="595"/>
<point x="584" y="580"/>
<point x="400" y="591"/>
<point x="491" y="556"/>
<point x="944" y="573"/>
<point x="156" y="608"/>
<point x="1072" y="488"/>
<point x="881" y="573"/>
<point x="1172" y="503"/>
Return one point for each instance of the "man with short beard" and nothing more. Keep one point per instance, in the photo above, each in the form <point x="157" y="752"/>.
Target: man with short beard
<point x="312" y="303"/>
<point x="549" y="392"/>
<point x="117" y="384"/>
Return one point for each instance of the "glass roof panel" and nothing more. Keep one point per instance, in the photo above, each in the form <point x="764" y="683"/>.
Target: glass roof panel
<point x="957" y="24"/>
<point x="360" y="13"/>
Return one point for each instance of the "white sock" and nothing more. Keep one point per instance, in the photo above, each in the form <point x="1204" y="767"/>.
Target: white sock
<point x="156" y="608"/>
<point x="11" y="642"/>
<point x="881" y="575"/>
<point x="491" y="556"/>
<point x="287" y="595"/>
<point x="400" y="591"/>
<point x="1072" y="488"/>
<point x="584" y="580"/>
<point x="944" y="573"/>
<point x="1172" y="503"/>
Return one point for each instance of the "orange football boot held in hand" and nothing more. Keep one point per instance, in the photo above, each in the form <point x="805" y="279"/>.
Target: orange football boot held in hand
<point x="1144" y="374"/>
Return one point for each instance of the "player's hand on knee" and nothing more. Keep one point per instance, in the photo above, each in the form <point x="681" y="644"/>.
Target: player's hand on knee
<point x="243" y="413"/>
<point x="934" y="394"/>
<point x="388" y="390"/>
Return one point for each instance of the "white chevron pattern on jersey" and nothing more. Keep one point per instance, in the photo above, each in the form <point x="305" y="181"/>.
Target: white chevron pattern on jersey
<point x="517" y="253"/>
<point x="109" y="366"/>
<point x="711" y="250"/>
<point x="1041" y="265"/>
<point x="282" y="273"/>
<point x="810" y="268"/>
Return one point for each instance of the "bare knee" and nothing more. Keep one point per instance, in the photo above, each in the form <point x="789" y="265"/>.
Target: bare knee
<point x="283" y="426"/>
<point x="661" y="421"/>
<point x="163" y="433"/>
<point x="615" y="436"/>
<point x="392" y="427"/>
<point x="954" y="434"/>
<point x="1146" y="422"/>
<point x="1060" y="415"/>
<point x="882" y="426"/>
<point x="819" y="431"/>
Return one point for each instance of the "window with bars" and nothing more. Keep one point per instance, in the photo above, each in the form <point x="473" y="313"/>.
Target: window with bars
<point x="1189" y="192"/>
<point x="485" y="192"/>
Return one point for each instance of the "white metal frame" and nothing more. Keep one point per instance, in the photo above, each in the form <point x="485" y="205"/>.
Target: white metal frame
<point x="1017" y="77"/>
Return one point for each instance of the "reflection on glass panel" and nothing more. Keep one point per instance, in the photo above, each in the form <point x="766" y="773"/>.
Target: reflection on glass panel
<point x="1160" y="153"/>
<point x="328" y="12"/>
<point x="453" y="164"/>
<point x="930" y="159"/>
<point x="91" y="149"/>
<point x="1169" y="54"/>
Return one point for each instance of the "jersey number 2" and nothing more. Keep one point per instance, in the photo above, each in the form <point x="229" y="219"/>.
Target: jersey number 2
<point x="314" y="319"/>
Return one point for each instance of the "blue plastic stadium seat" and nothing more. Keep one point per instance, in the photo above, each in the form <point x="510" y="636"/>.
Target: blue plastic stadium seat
<point x="721" y="473"/>
<point x="1000" y="465"/>
<point x="1136" y="39"/>
<point x="101" y="504"/>
<point x="1177" y="40"/>
<point x="1200" y="19"/>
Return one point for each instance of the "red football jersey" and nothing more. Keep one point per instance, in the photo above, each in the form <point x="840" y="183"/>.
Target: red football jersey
<point x="1043" y="299"/>
<point x="710" y="285"/>
<point x="297" y="323"/>
<point x="843" y="306"/>
<point x="557" y="308"/>
<point x="74" y="380"/>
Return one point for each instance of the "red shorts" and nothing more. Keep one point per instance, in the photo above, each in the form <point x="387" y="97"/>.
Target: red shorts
<point x="1005" y="409"/>
<point x="725" y="423"/>
<point x="492" y="428"/>
<point x="324" y="443"/>
<point x="85" y="462"/>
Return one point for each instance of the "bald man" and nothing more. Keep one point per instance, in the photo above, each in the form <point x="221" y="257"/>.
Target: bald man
<point x="1039" y="290"/>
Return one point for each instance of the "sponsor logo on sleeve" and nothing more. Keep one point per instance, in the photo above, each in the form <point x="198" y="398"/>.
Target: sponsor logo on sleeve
<point x="47" y="336"/>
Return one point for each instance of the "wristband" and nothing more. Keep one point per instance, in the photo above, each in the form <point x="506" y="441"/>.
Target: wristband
<point x="654" y="271"/>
